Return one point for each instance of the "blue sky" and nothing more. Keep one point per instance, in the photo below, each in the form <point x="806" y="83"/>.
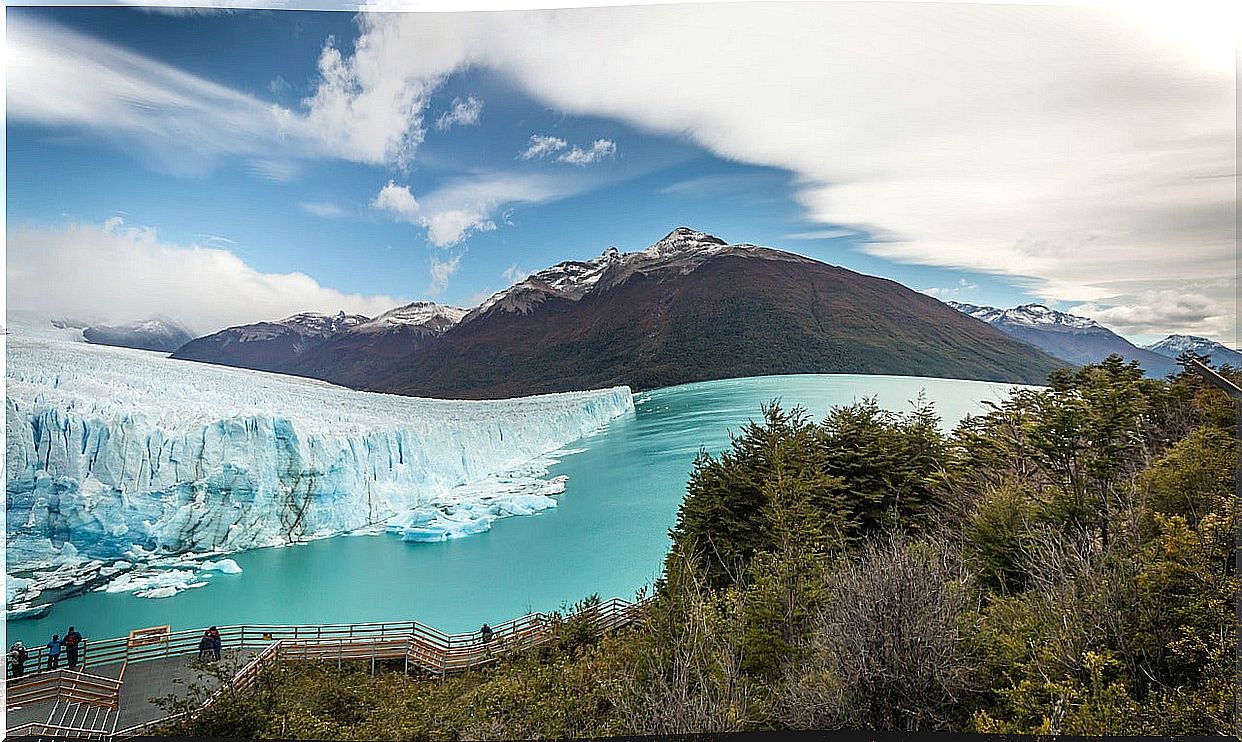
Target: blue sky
<point x="327" y="160"/>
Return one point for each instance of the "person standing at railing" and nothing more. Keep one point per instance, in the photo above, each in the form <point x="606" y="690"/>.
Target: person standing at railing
<point x="18" y="656"/>
<point x="487" y="633"/>
<point x="53" y="652"/>
<point x="72" y="641"/>
<point x="206" y="647"/>
<point x="216" y="642"/>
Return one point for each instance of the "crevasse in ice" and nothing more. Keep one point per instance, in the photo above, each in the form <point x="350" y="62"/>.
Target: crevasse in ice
<point x="128" y="454"/>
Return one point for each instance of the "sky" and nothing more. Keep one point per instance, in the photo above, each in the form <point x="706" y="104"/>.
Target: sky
<point x="226" y="166"/>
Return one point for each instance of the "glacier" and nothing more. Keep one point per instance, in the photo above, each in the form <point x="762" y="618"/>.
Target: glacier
<point x="117" y="454"/>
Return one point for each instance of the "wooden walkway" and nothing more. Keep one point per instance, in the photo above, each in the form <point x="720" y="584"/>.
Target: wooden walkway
<point x="109" y="697"/>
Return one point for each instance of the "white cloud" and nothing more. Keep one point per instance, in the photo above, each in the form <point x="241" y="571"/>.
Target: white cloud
<point x="1198" y="308"/>
<point x="279" y="86"/>
<point x="445" y="225"/>
<point x="829" y="233"/>
<point x="184" y="123"/>
<point x="441" y="272"/>
<point x="449" y="227"/>
<point x="464" y="206"/>
<point x="124" y="274"/>
<point x="369" y="106"/>
<point x="399" y="201"/>
<point x="1076" y="162"/>
<point x="955" y="292"/>
<point x="275" y="171"/>
<point x="215" y="239"/>
<point x="463" y="113"/>
<point x="514" y="274"/>
<point x="542" y="145"/>
<point x="322" y="209"/>
<point x="58" y="77"/>
<point x="598" y="150"/>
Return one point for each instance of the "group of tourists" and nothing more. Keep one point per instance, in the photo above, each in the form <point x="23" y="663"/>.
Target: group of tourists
<point x="71" y="645"/>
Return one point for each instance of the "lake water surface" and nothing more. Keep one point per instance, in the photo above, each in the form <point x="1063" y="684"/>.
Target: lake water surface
<point x="608" y="536"/>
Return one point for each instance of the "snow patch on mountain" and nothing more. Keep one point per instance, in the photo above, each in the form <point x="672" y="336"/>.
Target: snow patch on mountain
<point x="1029" y="315"/>
<point x="681" y="251"/>
<point x="323" y="325"/>
<point x="427" y="316"/>
<point x="1218" y="353"/>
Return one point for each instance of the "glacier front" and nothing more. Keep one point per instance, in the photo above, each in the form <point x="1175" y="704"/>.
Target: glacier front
<point x="119" y="454"/>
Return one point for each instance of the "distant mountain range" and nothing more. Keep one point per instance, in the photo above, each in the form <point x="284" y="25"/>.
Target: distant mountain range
<point x="154" y="334"/>
<point x="388" y="341"/>
<point x="269" y="346"/>
<point x="691" y="307"/>
<point x="1218" y="354"/>
<point x="343" y="349"/>
<point x="1071" y="338"/>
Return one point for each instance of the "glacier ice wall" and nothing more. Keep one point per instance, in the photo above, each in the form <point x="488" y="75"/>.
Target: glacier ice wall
<point x="128" y="454"/>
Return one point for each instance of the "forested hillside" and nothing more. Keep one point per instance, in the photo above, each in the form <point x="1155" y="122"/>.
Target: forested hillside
<point x="1062" y="564"/>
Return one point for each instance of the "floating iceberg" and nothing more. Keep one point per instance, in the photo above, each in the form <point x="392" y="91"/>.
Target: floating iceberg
<point x="227" y="566"/>
<point x="118" y="454"/>
<point x="159" y="584"/>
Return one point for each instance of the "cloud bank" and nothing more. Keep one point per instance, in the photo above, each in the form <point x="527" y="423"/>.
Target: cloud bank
<point x="1078" y="150"/>
<point x="1088" y="153"/>
<point x="114" y="273"/>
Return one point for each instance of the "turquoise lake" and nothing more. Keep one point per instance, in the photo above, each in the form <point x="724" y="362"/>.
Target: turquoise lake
<point x="608" y="535"/>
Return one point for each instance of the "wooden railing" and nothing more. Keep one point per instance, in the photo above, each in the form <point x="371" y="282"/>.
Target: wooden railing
<point x="416" y="644"/>
<point x="56" y="731"/>
<point x="97" y="652"/>
<point x="64" y="685"/>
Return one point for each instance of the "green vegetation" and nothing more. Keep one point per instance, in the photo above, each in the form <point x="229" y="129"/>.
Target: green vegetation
<point x="1063" y="564"/>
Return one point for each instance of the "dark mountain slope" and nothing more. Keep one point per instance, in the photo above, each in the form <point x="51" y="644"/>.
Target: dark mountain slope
<point x="733" y="311"/>
<point x="268" y="346"/>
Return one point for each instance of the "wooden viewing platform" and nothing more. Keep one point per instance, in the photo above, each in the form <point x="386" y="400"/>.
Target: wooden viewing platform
<point x="109" y="695"/>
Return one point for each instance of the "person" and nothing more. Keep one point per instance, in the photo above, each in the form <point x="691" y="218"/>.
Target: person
<point x="18" y="656"/>
<point x="53" y="652"/>
<point x="216" y="643"/>
<point x="72" y="641"/>
<point x="487" y="633"/>
<point x="206" y="647"/>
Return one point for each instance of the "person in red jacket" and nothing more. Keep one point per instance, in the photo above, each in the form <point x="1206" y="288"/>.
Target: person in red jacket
<point x="72" y="642"/>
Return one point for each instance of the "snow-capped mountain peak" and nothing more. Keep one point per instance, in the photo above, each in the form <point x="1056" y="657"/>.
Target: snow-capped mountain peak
<point x="1218" y="353"/>
<point x="683" y="248"/>
<point x="685" y="240"/>
<point x="568" y="279"/>
<point x="426" y="315"/>
<point x="316" y="323"/>
<point x="1177" y="344"/>
<point x="1028" y="315"/>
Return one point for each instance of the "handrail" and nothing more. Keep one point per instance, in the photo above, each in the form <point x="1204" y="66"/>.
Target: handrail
<point x="67" y="685"/>
<point x="115" y="650"/>
<point x="419" y="645"/>
<point x="47" y="729"/>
